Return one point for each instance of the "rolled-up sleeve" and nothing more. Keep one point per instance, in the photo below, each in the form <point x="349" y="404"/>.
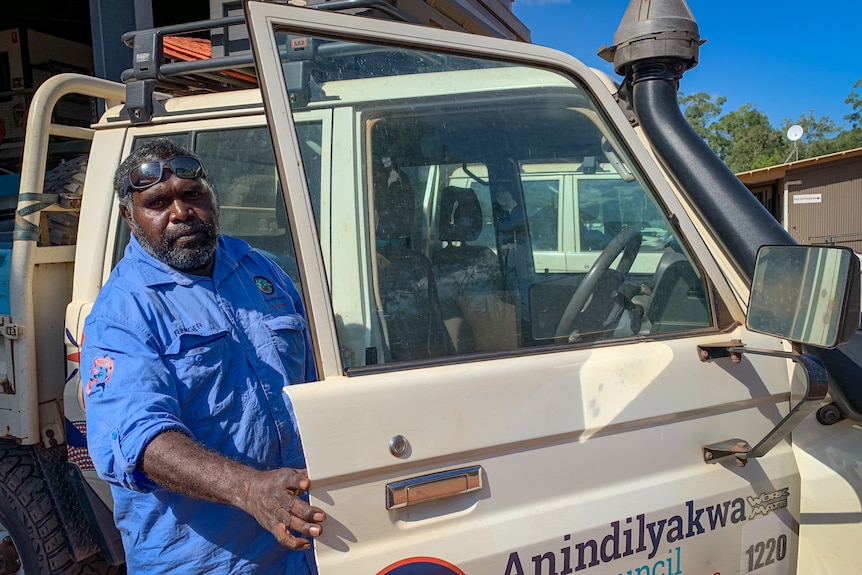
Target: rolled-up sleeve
<point x="129" y="399"/>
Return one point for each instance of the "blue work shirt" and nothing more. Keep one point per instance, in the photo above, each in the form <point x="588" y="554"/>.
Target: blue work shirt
<point x="165" y="350"/>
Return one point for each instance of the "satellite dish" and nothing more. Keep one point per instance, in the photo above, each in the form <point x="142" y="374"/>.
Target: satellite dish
<point x="794" y="132"/>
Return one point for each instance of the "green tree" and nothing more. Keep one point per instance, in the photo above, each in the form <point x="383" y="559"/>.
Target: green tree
<point x="820" y="137"/>
<point x="745" y="140"/>
<point x="849" y="139"/>
<point x="852" y="138"/>
<point x="854" y="100"/>
<point x="700" y="110"/>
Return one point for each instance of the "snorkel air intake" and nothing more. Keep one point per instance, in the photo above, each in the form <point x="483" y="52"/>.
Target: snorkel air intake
<point x="655" y="44"/>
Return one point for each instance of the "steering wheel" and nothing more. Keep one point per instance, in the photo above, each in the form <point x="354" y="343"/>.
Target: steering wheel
<point x="627" y="242"/>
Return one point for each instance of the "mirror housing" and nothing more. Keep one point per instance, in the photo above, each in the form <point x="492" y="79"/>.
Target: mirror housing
<point x="806" y="294"/>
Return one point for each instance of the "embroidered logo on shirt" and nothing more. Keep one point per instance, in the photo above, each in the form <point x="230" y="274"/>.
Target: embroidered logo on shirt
<point x="264" y="285"/>
<point x="100" y="373"/>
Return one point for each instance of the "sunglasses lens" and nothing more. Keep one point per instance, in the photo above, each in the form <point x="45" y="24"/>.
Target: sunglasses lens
<point x="146" y="174"/>
<point x="150" y="173"/>
<point x="186" y="168"/>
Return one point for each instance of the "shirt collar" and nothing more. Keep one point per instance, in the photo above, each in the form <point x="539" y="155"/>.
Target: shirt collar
<point x="155" y="272"/>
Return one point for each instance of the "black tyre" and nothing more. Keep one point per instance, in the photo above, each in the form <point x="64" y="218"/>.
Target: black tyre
<point x="67" y="178"/>
<point x="32" y="541"/>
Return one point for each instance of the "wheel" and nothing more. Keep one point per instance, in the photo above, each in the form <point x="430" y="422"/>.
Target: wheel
<point x="628" y="243"/>
<point x="32" y="541"/>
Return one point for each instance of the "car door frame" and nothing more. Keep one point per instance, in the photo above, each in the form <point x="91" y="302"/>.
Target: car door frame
<point x="343" y="478"/>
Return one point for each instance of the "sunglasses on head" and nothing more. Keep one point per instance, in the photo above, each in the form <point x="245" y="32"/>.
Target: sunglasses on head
<point x="151" y="173"/>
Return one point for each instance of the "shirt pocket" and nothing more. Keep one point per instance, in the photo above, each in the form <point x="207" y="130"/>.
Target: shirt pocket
<point x="203" y="364"/>
<point x="288" y="335"/>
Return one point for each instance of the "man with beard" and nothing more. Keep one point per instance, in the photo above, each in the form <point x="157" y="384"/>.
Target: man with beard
<point x="185" y="355"/>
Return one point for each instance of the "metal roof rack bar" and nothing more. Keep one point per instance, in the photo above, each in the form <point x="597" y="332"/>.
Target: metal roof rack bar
<point x="149" y="61"/>
<point x="186" y="28"/>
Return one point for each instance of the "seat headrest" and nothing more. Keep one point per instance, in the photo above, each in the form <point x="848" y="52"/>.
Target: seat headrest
<point x="394" y="205"/>
<point x="460" y="215"/>
<point x="254" y="190"/>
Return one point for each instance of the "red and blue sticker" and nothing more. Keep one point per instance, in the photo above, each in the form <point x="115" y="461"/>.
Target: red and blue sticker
<point x="421" y="566"/>
<point x="100" y="373"/>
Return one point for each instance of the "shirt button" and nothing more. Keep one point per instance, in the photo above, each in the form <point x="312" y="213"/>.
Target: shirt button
<point x="114" y="434"/>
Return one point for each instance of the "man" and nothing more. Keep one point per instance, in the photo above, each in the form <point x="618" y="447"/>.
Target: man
<point x="185" y="355"/>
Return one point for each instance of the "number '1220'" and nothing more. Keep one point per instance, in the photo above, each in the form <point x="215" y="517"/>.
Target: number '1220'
<point x="767" y="552"/>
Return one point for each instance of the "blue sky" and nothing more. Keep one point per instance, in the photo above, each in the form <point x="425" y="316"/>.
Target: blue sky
<point x="784" y="57"/>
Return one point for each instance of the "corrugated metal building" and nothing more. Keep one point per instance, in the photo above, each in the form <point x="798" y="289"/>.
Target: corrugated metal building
<point x="818" y="200"/>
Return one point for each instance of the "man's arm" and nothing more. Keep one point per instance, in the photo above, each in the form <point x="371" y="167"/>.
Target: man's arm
<point x="179" y="463"/>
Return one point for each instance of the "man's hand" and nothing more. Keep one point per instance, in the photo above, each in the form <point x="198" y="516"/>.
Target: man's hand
<point x="179" y="463"/>
<point x="273" y="498"/>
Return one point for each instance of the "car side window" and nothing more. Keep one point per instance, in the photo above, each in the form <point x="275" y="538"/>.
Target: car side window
<point x="241" y="165"/>
<point x="493" y="210"/>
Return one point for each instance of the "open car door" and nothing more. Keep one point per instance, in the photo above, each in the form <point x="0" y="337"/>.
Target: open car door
<point x="510" y="379"/>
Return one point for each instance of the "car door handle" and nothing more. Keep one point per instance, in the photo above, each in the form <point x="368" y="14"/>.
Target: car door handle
<point x="434" y="486"/>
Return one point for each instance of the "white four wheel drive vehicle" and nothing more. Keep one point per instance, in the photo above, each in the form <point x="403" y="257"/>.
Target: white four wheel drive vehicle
<point x="546" y="338"/>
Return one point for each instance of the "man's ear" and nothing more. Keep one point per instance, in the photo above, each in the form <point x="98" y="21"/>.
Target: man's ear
<point x="126" y="213"/>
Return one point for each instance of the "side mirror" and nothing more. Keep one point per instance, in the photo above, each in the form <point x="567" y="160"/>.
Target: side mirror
<point x="806" y="294"/>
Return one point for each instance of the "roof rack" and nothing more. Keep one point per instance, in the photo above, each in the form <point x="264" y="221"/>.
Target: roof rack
<point x="150" y="69"/>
